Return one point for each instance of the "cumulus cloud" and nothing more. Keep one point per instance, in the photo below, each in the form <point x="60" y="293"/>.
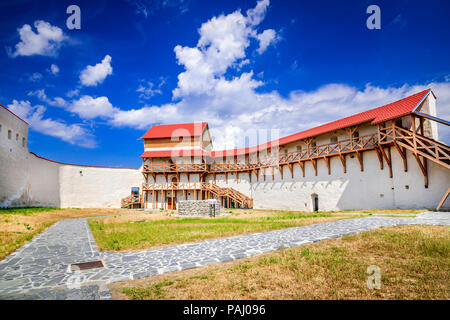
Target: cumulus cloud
<point x="56" y="102"/>
<point x="236" y="110"/>
<point x="74" y="133"/>
<point x="266" y="38"/>
<point x="93" y="75"/>
<point x="46" y="41"/>
<point x="54" y="69"/>
<point x="88" y="107"/>
<point x="222" y="44"/>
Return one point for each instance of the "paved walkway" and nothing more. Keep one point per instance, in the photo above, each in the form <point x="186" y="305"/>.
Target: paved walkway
<point x="40" y="269"/>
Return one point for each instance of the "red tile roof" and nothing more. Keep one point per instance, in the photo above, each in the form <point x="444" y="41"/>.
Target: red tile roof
<point x="174" y="153"/>
<point x="387" y="112"/>
<point x="175" y="130"/>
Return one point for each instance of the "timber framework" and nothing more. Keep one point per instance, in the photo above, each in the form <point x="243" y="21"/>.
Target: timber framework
<point x="179" y="163"/>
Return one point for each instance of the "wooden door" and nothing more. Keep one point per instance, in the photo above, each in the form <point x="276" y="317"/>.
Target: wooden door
<point x="171" y="205"/>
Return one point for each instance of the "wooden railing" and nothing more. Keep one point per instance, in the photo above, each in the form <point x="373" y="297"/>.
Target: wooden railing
<point x="172" y="167"/>
<point x="309" y="153"/>
<point x="131" y="201"/>
<point x="418" y="144"/>
<point x="231" y="193"/>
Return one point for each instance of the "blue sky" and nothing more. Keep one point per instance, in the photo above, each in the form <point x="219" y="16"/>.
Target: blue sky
<point x="243" y="66"/>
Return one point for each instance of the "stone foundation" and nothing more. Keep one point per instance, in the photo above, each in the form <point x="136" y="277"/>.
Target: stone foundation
<point x="199" y="208"/>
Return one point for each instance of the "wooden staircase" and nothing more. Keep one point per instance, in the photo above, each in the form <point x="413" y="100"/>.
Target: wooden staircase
<point x="421" y="145"/>
<point x="132" y="202"/>
<point x="237" y="197"/>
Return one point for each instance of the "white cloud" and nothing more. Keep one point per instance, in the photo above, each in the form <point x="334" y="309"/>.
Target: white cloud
<point x="235" y="109"/>
<point x="265" y="39"/>
<point x="149" y="89"/>
<point x="72" y="93"/>
<point x="46" y="41"/>
<point x="222" y="44"/>
<point x="35" y="77"/>
<point x="54" y="69"/>
<point x="93" y="75"/>
<point x="89" y="108"/>
<point x="56" y="102"/>
<point x="74" y="133"/>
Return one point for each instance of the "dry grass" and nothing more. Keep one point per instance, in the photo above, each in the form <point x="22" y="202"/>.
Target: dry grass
<point x="17" y="226"/>
<point x="156" y="230"/>
<point x="414" y="263"/>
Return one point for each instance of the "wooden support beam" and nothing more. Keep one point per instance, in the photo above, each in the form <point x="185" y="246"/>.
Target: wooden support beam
<point x="327" y="162"/>
<point x="360" y="159"/>
<point x="257" y="175"/>
<point x="264" y="174"/>
<point x="280" y="168"/>
<point x="237" y="176"/>
<point x="441" y="203"/>
<point x="291" y="169"/>
<point x="249" y="176"/>
<point x="343" y="161"/>
<point x="273" y="173"/>
<point x="302" y="166"/>
<point x="189" y="177"/>
<point x="314" y="163"/>
<point x="423" y="167"/>
<point x="387" y="158"/>
<point x="214" y="177"/>
<point x="380" y="158"/>
<point x="402" y="153"/>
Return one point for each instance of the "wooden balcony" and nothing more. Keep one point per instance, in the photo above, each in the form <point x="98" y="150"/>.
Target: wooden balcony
<point x="362" y="143"/>
<point x="174" y="168"/>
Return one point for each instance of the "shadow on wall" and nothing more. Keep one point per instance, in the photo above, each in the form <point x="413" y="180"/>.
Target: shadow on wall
<point x="30" y="180"/>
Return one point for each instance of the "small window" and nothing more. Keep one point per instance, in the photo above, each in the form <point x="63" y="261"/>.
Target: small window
<point x="333" y="139"/>
<point x="313" y="145"/>
<point x="17" y="137"/>
<point x="23" y="142"/>
<point x="135" y="191"/>
<point x="299" y="148"/>
<point x="9" y="134"/>
<point x="355" y="134"/>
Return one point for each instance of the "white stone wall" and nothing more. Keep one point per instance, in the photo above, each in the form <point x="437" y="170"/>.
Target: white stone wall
<point x="354" y="190"/>
<point x="28" y="180"/>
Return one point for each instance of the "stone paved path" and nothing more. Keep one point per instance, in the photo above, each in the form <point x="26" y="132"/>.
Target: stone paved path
<point x="40" y="269"/>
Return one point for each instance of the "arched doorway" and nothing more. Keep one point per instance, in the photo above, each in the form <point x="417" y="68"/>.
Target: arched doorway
<point x="315" y="202"/>
<point x="172" y="195"/>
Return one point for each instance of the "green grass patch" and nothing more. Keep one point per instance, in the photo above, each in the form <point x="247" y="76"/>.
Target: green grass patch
<point x="26" y="211"/>
<point x="130" y="235"/>
<point x="413" y="261"/>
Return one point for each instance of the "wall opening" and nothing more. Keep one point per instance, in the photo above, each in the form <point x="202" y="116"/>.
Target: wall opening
<point x="315" y="202"/>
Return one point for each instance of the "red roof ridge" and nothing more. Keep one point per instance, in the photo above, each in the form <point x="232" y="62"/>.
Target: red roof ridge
<point x="168" y="130"/>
